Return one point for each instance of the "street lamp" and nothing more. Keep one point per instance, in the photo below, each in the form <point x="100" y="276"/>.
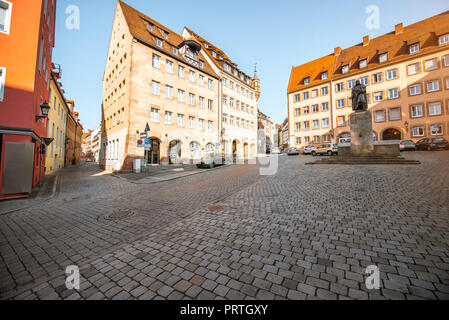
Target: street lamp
<point x="44" y="111"/>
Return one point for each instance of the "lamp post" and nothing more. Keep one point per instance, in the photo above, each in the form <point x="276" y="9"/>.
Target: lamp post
<point x="45" y="108"/>
<point x="44" y="111"/>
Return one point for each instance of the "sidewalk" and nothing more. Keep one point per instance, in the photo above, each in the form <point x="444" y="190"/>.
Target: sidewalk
<point x="157" y="174"/>
<point x="37" y="196"/>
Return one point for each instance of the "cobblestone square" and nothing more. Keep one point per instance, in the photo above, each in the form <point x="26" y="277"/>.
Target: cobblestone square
<point x="307" y="232"/>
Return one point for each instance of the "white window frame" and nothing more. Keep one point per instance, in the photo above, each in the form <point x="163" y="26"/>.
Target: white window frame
<point x="324" y="75"/>
<point x="414" y="48"/>
<point x="315" y="124"/>
<point x="7" y="17"/>
<point x="444" y="39"/>
<point x="392" y="72"/>
<point x="390" y="96"/>
<point x="417" y="69"/>
<point x="340" y="105"/>
<point x="324" y="91"/>
<point x="383" y="57"/>
<point x="376" y="95"/>
<point x="417" y="134"/>
<point x="363" y="64"/>
<point x="325" y="104"/>
<point x="192" y="122"/>
<point x="390" y="114"/>
<point x="446" y="60"/>
<point x="433" y="133"/>
<point x="2" y="83"/>
<point x="430" y="85"/>
<point x="433" y="67"/>
<point x="181" y="72"/>
<point x="345" y="69"/>
<point x="192" y="76"/>
<point x="180" y="120"/>
<point x="156" y="61"/>
<point x="168" y="118"/>
<point x="339" y="87"/>
<point x="413" y="91"/>
<point x="191" y="99"/>
<point x="414" y="113"/>
<point x="181" y="94"/>
<point x="376" y="77"/>
<point x="154" y="115"/>
<point x="325" y="123"/>
<point x="168" y="92"/>
<point x="155" y="88"/>
<point x="210" y="84"/>
<point x="169" y="66"/>
<point x="432" y="109"/>
<point x="364" y="82"/>
<point x="376" y="119"/>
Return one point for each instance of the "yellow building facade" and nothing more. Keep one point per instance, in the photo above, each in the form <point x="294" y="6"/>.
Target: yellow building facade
<point x="56" y="127"/>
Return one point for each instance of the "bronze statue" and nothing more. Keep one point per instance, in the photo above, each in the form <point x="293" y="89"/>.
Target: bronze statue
<point x="359" y="98"/>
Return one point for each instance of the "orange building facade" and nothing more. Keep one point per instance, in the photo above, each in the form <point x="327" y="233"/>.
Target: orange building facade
<point x="27" y="33"/>
<point x="407" y="77"/>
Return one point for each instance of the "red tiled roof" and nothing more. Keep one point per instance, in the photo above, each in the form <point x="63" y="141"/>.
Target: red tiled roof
<point x="137" y="23"/>
<point x="425" y="32"/>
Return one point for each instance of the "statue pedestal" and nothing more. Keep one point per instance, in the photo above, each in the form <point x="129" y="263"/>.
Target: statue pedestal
<point x="361" y="133"/>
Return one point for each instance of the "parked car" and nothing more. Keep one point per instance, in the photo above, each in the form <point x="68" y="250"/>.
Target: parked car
<point x="293" y="152"/>
<point x="284" y="151"/>
<point x="431" y="144"/>
<point x="308" y="149"/>
<point x="405" y="145"/>
<point x="211" y="160"/>
<point x="329" y="149"/>
<point x="275" y="150"/>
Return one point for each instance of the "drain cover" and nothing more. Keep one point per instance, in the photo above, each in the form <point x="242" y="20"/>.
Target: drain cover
<point x="215" y="208"/>
<point x="119" y="215"/>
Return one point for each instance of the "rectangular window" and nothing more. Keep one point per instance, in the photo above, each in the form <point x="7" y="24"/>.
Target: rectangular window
<point x="316" y="124"/>
<point x="201" y="124"/>
<point x="169" y="92"/>
<point x="306" y="81"/>
<point x="231" y="102"/>
<point x="168" y="118"/>
<point x="175" y="50"/>
<point x="5" y="16"/>
<point x="447" y="83"/>
<point x="364" y="80"/>
<point x="345" y="69"/>
<point x="297" y="126"/>
<point x="414" y="48"/>
<point x="395" y="114"/>
<point x="169" y="66"/>
<point x="155" y="87"/>
<point x="446" y="60"/>
<point x="191" y="122"/>
<point x="431" y="64"/>
<point x="325" y="106"/>
<point x="444" y="39"/>
<point x="210" y="125"/>
<point x="201" y="102"/>
<point x="433" y="86"/>
<point x="306" y="125"/>
<point x="297" y="97"/>
<point x="297" y="112"/>
<point x="201" y="80"/>
<point x="325" y="123"/>
<point x="340" y="87"/>
<point x="415" y="89"/>
<point x="350" y="84"/>
<point x="413" y="68"/>
<point x="191" y="99"/>
<point x="418" y="131"/>
<point x="210" y="105"/>
<point x="377" y="77"/>
<point x="305" y="110"/>
<point x="436" y="130"/>
<point x="180" y="96"/>
<point x="324" y="75"/>
<point x="154" y="115"/>
<point x="434" y="109"/>
<point x="180" y="120"/>
<point x="340" y="103"/>
<point x="305" y="96"/>
<point x="393" y="93"/>
<point x="2" y="82"/>
<point x="416" y="111"/>
<point x="341" y="121"/>
<point x="378" y="96"/>
<point x="363" y="64"/>
<point x="181" y="72"/>
<point x="314" y="93"/>
<point x="324" y="91"/>
<point x="383" y="57"/>
<point x="298" y="140"/>
<point x="379" y="116"/>
<point x="156" y="61"/>
<point x="192" y="76"/>
<point x="159" y="42"/>
<point x="210" y="84"/>
<point x="315" y="108"/>
<point x="392" y="74"/>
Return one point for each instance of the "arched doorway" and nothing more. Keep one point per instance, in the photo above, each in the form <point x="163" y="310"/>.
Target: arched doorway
<point x="245" y="150"/>
<point x="174" y="152"/>
<point x="194" y="149"/>
<point x="235" y="149"/>
<point x="391" y="134"/>
<point x="153" y="155"/>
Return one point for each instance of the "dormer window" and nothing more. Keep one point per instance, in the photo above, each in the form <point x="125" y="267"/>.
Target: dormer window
<point x="345" y="69"/>
<point x="175" y="50"/>
<point x="165" y="34"/>
<point x="444" y="39"/>
<point x="206" y="45"/>
<point x="227" y="67"/>
<point x="159" y="42"/>
<point x="383" y="58"/>
<point x="307" y="81"/>
<point x="201" y="64"/>
<point x="149" y="26"/>
<point x="214" y="54"/>
<point x="414" y="48"/>
<point x="324" y="75"/>
<point x="236" y="73"/>
<point x="363" y="64"/>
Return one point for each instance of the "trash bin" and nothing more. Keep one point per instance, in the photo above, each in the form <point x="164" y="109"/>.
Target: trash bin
<point x="137" y="165"/>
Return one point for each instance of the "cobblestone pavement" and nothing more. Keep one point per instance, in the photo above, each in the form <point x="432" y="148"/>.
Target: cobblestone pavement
<point x="304" y="233"/>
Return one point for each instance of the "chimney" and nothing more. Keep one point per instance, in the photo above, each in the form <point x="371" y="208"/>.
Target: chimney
<point x="398" y="28"/>
<point x="337" y="51"/>
<point x="365" y="40"/>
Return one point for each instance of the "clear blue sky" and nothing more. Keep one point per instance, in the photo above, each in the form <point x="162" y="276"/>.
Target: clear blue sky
<point x="275" y="34"/>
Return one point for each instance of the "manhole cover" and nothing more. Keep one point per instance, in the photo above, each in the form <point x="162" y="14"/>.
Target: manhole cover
<point x="215" y="208"/>
<point x="119" y="215"/>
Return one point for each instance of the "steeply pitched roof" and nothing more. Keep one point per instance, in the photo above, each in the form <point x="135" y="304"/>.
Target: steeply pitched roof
<point x="217" y="60"/>
<point x="396" y="44"/>
<point x="138" y="26"/>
